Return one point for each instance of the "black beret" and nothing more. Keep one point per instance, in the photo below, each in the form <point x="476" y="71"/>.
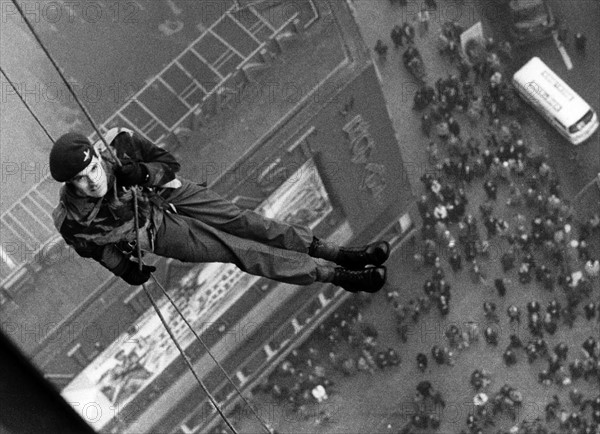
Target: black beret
<point x="70" y="154"/>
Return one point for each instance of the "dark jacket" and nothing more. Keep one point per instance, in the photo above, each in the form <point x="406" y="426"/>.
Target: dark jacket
<point x="98" y="228"/>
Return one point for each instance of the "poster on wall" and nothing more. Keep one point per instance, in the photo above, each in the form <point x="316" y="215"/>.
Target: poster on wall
<point x="127" y="366"/>
<point x="301" y="199"/>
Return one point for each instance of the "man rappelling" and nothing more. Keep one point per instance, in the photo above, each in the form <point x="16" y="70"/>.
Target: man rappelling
<point x="184" y="220"/>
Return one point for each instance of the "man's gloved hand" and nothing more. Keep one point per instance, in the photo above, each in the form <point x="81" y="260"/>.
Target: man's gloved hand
<point x="131" y="173"/>
<point x="134" y="276"/>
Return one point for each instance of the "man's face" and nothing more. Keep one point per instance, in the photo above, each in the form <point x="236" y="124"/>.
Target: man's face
<point x="92" y="180"/>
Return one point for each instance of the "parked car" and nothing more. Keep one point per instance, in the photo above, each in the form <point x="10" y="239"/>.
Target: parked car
<point x="530" y="20"/>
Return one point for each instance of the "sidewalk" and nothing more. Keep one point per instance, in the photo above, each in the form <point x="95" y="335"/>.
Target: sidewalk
<point x="376" y="19"/>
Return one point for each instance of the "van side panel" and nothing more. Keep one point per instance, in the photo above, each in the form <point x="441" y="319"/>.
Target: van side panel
<point x="554" y="100"/>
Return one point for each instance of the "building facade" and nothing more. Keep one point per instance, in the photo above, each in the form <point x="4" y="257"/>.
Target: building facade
<point x="301" y="133"/>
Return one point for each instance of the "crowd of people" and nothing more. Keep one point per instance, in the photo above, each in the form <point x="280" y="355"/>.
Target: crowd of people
<point x="543" y="241"/>
<point x="344" y="344"/>
<point x="533" y="233"/>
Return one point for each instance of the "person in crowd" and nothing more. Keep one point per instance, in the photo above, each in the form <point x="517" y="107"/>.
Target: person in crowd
<point x="515" y="342"/>
<point x="408" y="33"/>
<point x="491" y="189"/>
<point x="491" y="336"/>
<point x="563" y="34"/>
<point x="397" y="36"/>
<point x="500" y="285"/>
<point x="381" y="49"/>
<point x="455" y="260"/>
<point x="423" y="18"/>
<point x="580" y="42"/>
<point x="510" y="358"/>
<point x="490" y="312"/>
<point x="590" y="310"/>
<point x="422" y="362"/>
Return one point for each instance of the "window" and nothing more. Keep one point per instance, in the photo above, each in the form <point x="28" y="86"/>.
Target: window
<point x="581" y="123"/>
<point x="528" y="10"/>
<point x="557" y="84"/>
<point x="282" y="336"/>
<point x="559" y="123"/>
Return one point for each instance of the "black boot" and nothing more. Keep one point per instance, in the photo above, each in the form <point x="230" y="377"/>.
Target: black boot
<point x="368" y="280"/>
<point x="357" y="259"/>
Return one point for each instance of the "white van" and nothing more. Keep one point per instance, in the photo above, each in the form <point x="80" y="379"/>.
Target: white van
<point x="556" y="101"/>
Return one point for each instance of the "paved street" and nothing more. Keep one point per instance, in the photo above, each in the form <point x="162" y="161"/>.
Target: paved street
<point x="579" y="16"/>
<point x="369" y="403"/>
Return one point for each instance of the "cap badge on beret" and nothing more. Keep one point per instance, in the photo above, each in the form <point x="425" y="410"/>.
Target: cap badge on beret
<point x="66" y="156"/>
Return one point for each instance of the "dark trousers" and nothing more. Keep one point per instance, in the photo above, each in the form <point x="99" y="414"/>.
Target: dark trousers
<point x="209" y="228"/>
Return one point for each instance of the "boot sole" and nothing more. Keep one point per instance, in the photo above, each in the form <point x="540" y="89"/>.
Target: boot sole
<point x="382" y="256"/>
<point x="378" y="285"/>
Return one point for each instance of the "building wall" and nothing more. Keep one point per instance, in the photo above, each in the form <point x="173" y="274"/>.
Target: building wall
<point x="343" y="125"/>
<point x="353" y="142"/>
<point x="359" y="162"/>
